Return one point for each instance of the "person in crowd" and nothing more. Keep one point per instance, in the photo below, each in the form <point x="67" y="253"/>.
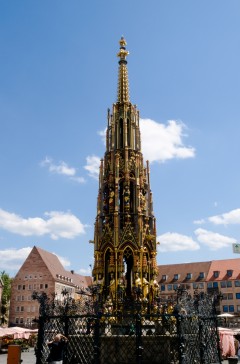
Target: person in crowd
<point x="56" y="347"/>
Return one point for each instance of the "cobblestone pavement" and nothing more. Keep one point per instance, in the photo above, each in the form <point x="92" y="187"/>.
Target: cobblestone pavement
<point x="29" y="357"/>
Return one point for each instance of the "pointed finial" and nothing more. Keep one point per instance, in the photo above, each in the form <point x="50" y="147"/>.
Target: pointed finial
<point x="123" y="53"/>
<point x="123" y="88"/>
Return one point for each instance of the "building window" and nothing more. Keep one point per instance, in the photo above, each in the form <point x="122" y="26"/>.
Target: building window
<point x="229" y="272"/>
<point x="237" y="283"/>
<point x="238" y="308"/>
<point x="163" y="287"/>
<point x="229" y="283"/>
<point x="238" y="296"/>
<point x="175" y="287"/>
<point x="23" y="287"/>
<point x="22" y="308"/>
<point x="19" y="287"/>
<point x="29" y="298"/>
<point x="41" y="286"/>
<point x="164" y="277"/>
<point x="29" y="287"/>
<point x="46" y="285"/>
<point x="189" y="275"/>
<point x="17" y="320"/>
<point x="224" y="297"/>
<point x="229" y="308"/>
<point x="22" y="298"/>
<point x="230" y="296"/>
<point x="215" y="284"/>
<point x="225" y="308"/>
<point x="209" y="285"/>
<point x="17" y="309"/>
<point x="176" y="276"/>
<point x="201" y="275"/>
<point x="216" y="274"/>
<point x="28" y="309"/>
<point x="223" y="284"/>
<point x="21" y="320"/>
<point x="198" y="285"/>
<point x="18" y="298"/>
<point x="169" y="287"/>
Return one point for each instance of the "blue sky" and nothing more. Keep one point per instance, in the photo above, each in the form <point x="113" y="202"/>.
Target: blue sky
<point x="58" y="77"/>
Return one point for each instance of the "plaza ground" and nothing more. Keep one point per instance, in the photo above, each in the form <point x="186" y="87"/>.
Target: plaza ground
<point x="29" y="357"/>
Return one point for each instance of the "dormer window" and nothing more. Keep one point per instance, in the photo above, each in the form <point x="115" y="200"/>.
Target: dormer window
<point x="201" y="275"/>
<point x="229" y="272"/>
<point x="189" y="276"/>
<point x="216" y="274"/>
<point x="164" y="277"/>
<point x="176" y="276"/>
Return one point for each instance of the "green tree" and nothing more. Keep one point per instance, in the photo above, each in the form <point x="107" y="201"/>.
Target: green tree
<point x="6" y="294"/>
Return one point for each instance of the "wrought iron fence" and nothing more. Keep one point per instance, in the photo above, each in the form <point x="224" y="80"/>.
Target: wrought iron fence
<point x="181" y="332"/>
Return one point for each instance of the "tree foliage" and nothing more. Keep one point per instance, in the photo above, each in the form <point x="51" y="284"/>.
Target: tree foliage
<point x="6" y="294"/>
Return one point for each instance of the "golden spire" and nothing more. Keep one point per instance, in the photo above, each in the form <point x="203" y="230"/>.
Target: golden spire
<point x="123" y="89"/>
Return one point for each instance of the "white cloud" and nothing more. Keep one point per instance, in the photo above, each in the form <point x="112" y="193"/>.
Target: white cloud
<point x="102" y="134"/>
<point x="64" y="261"/>
<point x="62" y="168"/>
<point x="199" y="222"/>
<point x="13" y="258"/>
<point x="93" y="163"/>
<point x="162" y="142"/>
<point x="229" y="218"/>
<point x="176" y="242"/>
<point x="78" y="179"/>
<point x="84" y="272"/>
<point x="213" y="240"/>
<point x="57" y="225"/>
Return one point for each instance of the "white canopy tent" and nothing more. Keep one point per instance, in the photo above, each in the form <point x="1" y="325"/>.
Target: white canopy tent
<point x="17" y="332"/>
<point x="226" y="315"/>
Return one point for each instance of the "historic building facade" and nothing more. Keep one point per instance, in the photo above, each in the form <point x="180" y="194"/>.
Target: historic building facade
<point x="218" y="276"/>
<point x="41" y="272"/>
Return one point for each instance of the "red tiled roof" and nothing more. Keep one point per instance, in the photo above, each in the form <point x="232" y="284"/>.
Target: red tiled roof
<point x="56" y="269"/>
<point x="222" y="266"/>
<point x="208" y="268"/>
<point x="182" y="269"/>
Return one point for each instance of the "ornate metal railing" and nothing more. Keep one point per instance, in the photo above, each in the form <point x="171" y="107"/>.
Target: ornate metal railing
<point x="183" y="332"/>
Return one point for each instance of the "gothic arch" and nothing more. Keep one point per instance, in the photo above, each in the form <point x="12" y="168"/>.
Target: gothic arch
<point x="128" y="262"/>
